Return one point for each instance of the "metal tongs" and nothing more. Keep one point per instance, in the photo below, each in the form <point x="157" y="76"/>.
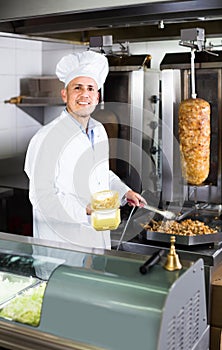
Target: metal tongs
<point x="168" y="214"/>
<point x="165" y="213"/>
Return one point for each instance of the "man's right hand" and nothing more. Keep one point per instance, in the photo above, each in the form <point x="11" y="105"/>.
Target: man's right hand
<point x="89" y="209"/>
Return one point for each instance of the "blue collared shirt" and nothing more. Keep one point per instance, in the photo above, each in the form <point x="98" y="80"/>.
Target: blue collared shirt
<point x="90" y="129"/>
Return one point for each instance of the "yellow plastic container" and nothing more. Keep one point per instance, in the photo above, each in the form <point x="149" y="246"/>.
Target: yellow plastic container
<point x="106" y="212"/>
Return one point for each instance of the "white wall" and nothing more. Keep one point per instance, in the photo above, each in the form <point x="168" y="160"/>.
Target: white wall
<point x="21" y="57"/>
<point x="18" y="58"/>
<point x="52" y="52"/>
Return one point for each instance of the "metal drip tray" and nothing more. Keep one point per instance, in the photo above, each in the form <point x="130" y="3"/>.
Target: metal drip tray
<point x="208" y="238"/>
<point x="32" y="101"/>
<point x="183" y="240"/>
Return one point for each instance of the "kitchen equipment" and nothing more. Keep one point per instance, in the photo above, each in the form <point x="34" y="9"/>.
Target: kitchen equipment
<point x="154" y="259"/>
<point x="106" y="212"/>
<point x="183" y="240"/>
<point x="165" y="213"/>
<point x="177" y="86"/>
<point x="132" y="311"/>
<point x="125" y="228"/>
<point x="135" y="104"/>
<point x="205" y="239"/>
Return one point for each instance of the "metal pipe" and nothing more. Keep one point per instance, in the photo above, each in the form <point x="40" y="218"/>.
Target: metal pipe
<point x="193" y="93"/>
<point x="102" y="97"/>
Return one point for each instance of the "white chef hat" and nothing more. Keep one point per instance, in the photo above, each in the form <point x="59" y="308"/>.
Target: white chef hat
<point x="87" y="63"/>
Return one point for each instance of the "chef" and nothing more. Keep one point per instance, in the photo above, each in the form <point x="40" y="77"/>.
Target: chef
<point x="68" y="159"/>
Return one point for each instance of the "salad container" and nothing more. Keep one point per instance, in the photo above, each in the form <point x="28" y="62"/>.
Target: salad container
<point x="106" y="212"/>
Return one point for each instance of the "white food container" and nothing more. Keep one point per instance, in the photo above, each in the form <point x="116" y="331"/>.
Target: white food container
<point x="106" y="212"/>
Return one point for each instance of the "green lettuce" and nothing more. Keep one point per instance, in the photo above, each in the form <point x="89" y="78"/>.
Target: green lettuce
<point x="26" y="307"/>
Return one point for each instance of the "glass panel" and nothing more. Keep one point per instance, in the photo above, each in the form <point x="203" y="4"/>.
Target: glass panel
<point x="207" y="88"/>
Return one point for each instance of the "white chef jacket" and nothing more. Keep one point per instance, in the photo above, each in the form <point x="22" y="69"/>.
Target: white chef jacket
<point x="64" y="170"/>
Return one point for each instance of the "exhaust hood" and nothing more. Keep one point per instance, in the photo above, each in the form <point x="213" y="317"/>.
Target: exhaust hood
<point x="181" y="60"/>
<point x="128" y="62"/>
<point x="39" y="91"/>
<point x="127" y="21"/>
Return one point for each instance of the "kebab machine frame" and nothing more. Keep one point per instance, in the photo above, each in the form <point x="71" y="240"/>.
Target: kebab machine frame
<point x="185" y="75"/>
<point x="102" y="301"/>
<point x="203" y="202"/>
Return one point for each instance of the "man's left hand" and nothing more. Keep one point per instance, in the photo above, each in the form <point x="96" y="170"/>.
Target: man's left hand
<point x="135" y="199"/>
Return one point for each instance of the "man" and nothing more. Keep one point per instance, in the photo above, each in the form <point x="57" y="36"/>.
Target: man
<point x="68" y="159"/>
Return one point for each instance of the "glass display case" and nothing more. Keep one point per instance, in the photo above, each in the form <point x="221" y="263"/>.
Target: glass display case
<point x="82" y="300"/>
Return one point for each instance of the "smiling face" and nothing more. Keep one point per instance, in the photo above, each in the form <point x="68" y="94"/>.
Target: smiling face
<point x="81" y="97"/>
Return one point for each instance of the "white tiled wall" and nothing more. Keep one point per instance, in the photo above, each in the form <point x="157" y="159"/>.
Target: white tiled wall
<point x="52" y="52"/>
<point x="18" y="58"/>
<point x="21" y="57"/>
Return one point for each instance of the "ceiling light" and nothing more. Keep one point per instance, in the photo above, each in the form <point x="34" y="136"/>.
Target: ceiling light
<point x="161" y="24"/>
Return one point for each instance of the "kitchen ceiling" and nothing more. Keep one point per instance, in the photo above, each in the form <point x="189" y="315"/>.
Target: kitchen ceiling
<point x="144" y="22"/>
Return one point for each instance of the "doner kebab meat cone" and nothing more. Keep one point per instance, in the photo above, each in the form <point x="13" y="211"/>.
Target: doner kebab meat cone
<point x="194" y="137"/>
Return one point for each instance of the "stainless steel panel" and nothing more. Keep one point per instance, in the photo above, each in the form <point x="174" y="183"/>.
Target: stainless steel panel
<point x="123" y="96"/>
<point x="13" y="9"/>
<point x="136" y="124"/>
<point x="152" y="142"/>
<point x="128" y="95"/>
<point x="184" y="240"/>
<point x="172" y="183"/>
<point x="15" y="336"/>
<point x="176" y="87"/>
